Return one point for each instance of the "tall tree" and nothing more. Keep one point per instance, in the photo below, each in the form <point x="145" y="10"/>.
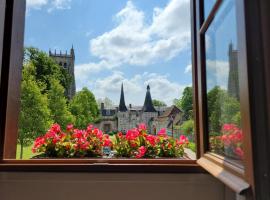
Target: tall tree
<point x="158" y="103"/>
<point x="34" y="117"/>
<point x="185" y="103"/>
<point x="58" y="104"/>
<point x="46" y="68"/>
<point x="84" y="107"/>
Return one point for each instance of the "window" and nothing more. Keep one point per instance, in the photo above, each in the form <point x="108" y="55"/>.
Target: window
<point x="249" y="88"/>
<point x="223" y="121"/>
<point x="116" y="73"/>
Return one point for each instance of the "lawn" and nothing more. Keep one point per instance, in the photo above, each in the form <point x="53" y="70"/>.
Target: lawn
<point x="27" y="152"/>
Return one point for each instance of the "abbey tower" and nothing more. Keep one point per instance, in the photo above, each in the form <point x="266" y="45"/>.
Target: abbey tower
<point x="66" y="61"/>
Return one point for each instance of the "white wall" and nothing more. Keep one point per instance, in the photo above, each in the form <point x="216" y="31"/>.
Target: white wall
<point x="92" y="186"/>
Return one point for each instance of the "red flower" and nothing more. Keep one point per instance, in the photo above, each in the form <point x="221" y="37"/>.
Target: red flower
<point x="162" y="132"/>
<point x="70" y="127"/>
<point x="56" y="128"/>
<point x="142" y="127"/>
<point x="238" y="151"/>
<point x="151" y="139"/>
<point x="132" y="134"/>
<point x="141" y="152"/>
<point x="183" y="140"/>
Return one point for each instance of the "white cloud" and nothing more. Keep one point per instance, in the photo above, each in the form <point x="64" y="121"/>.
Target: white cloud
<point x="133" y="41"/>
<point x="217" y="73"/>
<point x="36" y="4"/>
<point x="50" y="5"/>
<point x="135" y="87"/>
<point x="188" y="69"/>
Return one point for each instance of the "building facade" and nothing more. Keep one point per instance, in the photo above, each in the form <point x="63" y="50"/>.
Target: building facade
<point x="67" y="62"/>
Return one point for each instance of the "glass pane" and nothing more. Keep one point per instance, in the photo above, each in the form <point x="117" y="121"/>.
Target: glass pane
<point x="224" y="115"/>
<point x="208" y="5"/>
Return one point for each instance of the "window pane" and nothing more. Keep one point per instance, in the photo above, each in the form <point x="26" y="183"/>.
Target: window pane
<point x="224" y="115"/>
<point x="208" y="5"/>
<point x="114" y="65"/>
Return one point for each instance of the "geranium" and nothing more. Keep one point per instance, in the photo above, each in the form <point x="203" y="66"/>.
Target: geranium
<point x="162" y="132"/>
<point x="138" y="144"/>
<point x="74" y="143"/>
<point x="230" y="142"/>
<point x="141" y="152"/>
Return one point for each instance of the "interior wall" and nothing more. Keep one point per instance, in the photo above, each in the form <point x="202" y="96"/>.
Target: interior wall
<point x="101" y="186"/>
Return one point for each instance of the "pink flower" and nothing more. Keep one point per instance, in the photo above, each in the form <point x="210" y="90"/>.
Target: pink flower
<point x="238" y="151"/>
<point x="70" y="127"/>
<point x="142" y="127"/>
<point x="132" y="134"/>
<point x="151" y="139"/>
<point x="162" y="132"/>
<point x="183" y="140"/>
<point x="56" y="128"/>
<point x="141" y="152"/>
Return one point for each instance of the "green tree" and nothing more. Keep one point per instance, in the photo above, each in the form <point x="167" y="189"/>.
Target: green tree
<point x="187" y="127"/>
<point x="185" y="103"/>
<point x="222" y="108"/>
<point x="84" y="107"/>
<point x="46" y="68"/>
<point x="34" y="117"/>
<point x="158" y="103"/>
<point x="58" y="104"/>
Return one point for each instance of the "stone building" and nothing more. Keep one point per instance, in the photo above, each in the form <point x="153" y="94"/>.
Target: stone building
<point x="123" y="118"/>
<point x="66" y="61"/>
<point x="130" y="118"/>
<point x="172" y="117"/>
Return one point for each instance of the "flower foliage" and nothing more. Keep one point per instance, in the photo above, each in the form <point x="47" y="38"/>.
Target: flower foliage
<point x="138" y="144"/>
<point x="230" y="142"/>
<point x="71" y="143"/>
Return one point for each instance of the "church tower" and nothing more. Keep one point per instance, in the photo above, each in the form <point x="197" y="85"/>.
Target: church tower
<point x="67" y="62"/>
<point x="233" y="80"/>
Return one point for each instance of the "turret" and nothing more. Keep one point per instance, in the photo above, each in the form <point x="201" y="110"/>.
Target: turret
<point x="122" y="104"/>
<point x="148" y="103"/>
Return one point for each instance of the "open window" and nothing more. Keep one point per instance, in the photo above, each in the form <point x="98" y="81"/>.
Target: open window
<point x="229" y="95"/>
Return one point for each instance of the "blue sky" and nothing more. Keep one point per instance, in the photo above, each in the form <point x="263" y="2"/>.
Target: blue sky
<point x="137" y="42"/>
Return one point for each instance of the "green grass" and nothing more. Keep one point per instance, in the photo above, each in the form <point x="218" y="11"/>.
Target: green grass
<point x="27" y="152"/>
<point x="192" y="146"/>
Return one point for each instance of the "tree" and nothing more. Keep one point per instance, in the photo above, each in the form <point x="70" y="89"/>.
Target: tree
<point x="46" y="68"/>
<point x="58" y="104"/>
<point x="34" y="117"/>
<point x="222" y="108"/>
<point x="107" y="102"/>
<point x="84" y="107"/>
<point x="187" y="127"/>
<point x="158" y="103"/>
<point x="185" y="103"/>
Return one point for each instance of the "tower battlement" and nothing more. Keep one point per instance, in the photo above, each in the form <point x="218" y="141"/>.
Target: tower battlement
<point x="66" y="61"/>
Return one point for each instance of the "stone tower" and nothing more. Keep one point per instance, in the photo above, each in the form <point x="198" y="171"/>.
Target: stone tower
<point x="66" y="61"/>
<point x="233" y="80"/>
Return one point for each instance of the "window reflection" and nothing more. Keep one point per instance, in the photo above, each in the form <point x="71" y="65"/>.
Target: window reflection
<point x="222" y="72"/>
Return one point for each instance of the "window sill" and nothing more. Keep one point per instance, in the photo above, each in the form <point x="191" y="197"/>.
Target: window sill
<point x="103" y="165"/>
<point x="228" y="173"/>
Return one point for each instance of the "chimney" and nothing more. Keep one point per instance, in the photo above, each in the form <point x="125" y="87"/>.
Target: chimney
<point x="102" y="106"/>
